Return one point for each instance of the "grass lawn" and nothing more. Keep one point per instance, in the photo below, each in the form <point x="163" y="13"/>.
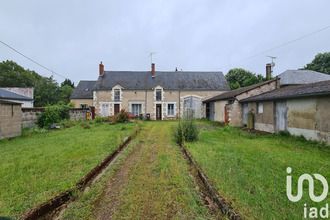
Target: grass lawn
<point x="36" y="167"/>
<point x="149" y="181"/>
<point x="249" y="170"/>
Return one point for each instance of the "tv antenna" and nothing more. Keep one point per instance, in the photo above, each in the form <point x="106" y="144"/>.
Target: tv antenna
<point x="150" y="55"/>
<point x="272" y="63"/>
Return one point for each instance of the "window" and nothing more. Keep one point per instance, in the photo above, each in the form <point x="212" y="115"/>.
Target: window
<point x="117" y="94"/>
<point x="170" y="109"/>
<point x="260" y="108"/>
<point x="158" y="95"/>
<point x="136" y="109"/>
<point x="83" y="105"/>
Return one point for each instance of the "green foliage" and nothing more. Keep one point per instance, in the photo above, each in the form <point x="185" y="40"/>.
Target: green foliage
<point x="239" y="77"/>
<point x="13" y="75"/>
<point x="53" y="114"/>
<point x="187" y="130"/>
<point x="321" y="63"/>
<point x="46" y="89"/>
<point x="99" y="120"/>
<point x="67" y="82"/>
<point x="122" y="116"/>
<point x="284" y="133"/>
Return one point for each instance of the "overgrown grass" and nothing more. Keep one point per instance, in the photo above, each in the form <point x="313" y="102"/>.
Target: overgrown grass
<point x="249" y="170"/>
<point x="42" y="163"/>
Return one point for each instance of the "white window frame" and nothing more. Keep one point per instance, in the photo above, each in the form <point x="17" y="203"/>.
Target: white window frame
<point x="114" y="89"/>
<point x="132" y="108"/>
<point x="116" y="96"/>
<point x="174" y="109"/>
<point x="155" y="94"/>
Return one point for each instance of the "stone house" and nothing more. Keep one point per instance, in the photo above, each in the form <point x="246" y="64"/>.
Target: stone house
<point x="10" y="119"/>
<point x="82" y="96"/>
<point x="227" y="108"/>
<point x="301" y="110"/>
<point x="11" y="95"/>
<point x="162" y="95"/>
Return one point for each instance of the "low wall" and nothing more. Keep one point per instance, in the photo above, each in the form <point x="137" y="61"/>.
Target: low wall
<point x="30" y="115"/>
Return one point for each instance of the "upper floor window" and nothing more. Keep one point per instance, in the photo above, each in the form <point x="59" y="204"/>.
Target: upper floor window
<point x="117" y="94"/>
<point x="158" y="95"/>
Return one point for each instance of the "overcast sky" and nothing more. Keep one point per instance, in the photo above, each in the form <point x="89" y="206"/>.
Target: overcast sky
<point x="72" y="37"/>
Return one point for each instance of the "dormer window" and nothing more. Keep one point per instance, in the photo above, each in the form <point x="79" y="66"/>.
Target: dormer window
<point x="117" y="94"/>
<point x="158" y="95"/>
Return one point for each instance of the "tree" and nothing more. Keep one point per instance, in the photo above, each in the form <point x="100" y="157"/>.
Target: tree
<point x="239" y="77"/>
<point x="13" y="75"/>
<point x="321" y="63"/>
<point x="67" y="82"/>
<point x="65" y="93"/>
<point x="46" y="92"/>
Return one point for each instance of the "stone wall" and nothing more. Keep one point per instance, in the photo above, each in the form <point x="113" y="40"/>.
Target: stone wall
<point x="30" y="115"/>
<point x="147" y="100"/>
<point x="10" y="120"/>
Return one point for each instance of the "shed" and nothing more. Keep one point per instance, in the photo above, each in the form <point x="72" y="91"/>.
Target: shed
<point x="10" y="119"/>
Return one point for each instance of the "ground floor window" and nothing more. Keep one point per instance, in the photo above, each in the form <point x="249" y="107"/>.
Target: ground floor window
<point x="83" y="105"/>
<point x="171" y="108"/>
<point x="136" y="109"/>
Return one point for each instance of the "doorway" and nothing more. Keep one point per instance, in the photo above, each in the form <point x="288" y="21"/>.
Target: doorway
<point x="117" y="108"/>
<point x="158" y="111"/>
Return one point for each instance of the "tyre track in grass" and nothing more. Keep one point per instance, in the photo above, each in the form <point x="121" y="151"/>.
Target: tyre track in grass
<point x="153" y="182"/>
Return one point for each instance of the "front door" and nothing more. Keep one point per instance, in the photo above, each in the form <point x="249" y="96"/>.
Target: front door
<point x="116" y="106"/>
<point x="158" y="111"/>
<point x="105" y="110"/>
<point x="281" y="121"/>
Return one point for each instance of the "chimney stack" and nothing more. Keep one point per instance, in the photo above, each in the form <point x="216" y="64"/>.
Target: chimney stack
<point x="268" y="71"/>
<point x="101" y="69"/>
<point x="153" y="70"/>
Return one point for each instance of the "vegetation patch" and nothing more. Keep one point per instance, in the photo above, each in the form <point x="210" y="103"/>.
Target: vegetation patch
<point x="249" y="170"/>
<point x="41" y="164"/>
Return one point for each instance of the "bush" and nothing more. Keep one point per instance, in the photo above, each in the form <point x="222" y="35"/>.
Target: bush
<point x="284" y="133"/>
<point x="187" y="130"/>
<point x="53" y="114"/>
<point x="98" y="120"/>
<point x="122" y="116"/>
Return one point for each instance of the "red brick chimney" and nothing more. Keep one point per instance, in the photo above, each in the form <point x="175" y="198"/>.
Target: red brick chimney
<point x="268" y="71"/>
<point x="101" y="69"/>
<point x="153" y="70"/>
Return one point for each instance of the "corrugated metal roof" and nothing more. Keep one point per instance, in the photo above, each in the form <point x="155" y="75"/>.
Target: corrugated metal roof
<point x="313" y="89"/>
<point x="176" y="80"/>
<point x="84" y="90"/>
<point x="4" y="94"/>
<point x="298" y="77"/>
<point x="233" y="93"/>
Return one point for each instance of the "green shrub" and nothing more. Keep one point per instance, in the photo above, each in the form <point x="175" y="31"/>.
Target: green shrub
<point x="284" y="133"/>
<point x="187" y="130"/>
<point x="122" y="116"/>
<point x="53" y="114"/>
<point x="98" y="120"/>
<point x="85" y="125"/>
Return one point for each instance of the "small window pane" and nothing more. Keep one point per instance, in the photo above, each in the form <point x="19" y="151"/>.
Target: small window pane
<point x="117" y="95"/>
<point x="170" y="109"/>
<point x="158" y="94"/>
<point x="260" y="108"/>
<point x="136" y="109"/>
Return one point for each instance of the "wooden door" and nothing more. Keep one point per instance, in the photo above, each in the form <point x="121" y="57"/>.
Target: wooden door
<point x="116" y="107"/>
<point x="158" y="111"/>
<point x="92" y="111"/>
<point x="226" y="115"/>
<point x="281" y="121"/>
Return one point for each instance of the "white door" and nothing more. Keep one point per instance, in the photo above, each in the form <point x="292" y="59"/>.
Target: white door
<point x="105" y="110"/>
<point x="245" y="113"/>
<point x="280" y="116"/>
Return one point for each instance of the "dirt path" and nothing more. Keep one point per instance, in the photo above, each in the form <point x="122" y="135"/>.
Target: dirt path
<point x="153" y="182"/>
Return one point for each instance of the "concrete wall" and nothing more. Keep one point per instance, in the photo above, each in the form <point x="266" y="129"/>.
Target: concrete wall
<point x="263" y="121"/>
<point x="78" y="102"/>
<point x="148" y="101"/>
<point x="10" y="120"/>
<point x="308" y="116"/>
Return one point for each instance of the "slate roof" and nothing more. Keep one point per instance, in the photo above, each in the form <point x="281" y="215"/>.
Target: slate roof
<point x="313" y="89"/>
<point x="84" y="90"/>
<point x="175" y="80"/>
<point x="233" y="93"/>
<point x="4" y="94"/>
<point x="298" y="77"/>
